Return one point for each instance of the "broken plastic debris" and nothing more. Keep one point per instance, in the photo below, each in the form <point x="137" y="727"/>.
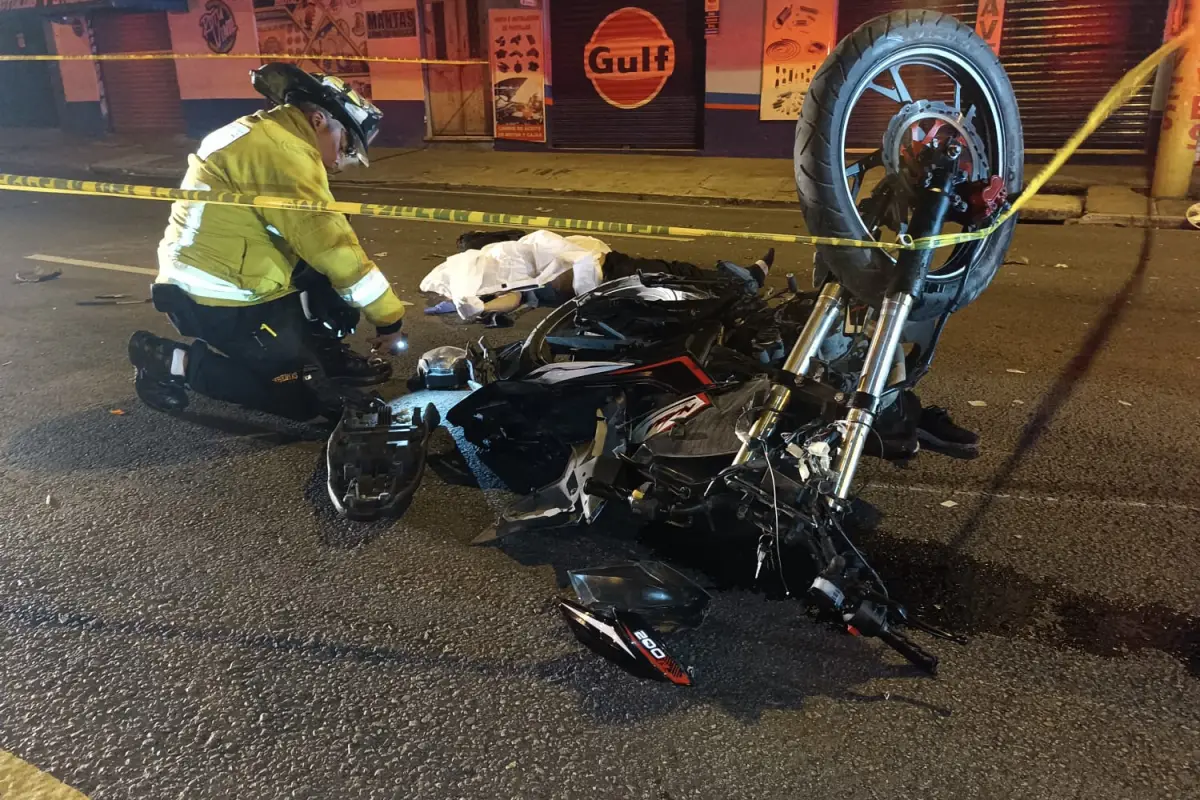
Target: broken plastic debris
<point x="977" y="403"/>
<point x="1016" y="371"/>
<point x="1122" y="402"/>
<point x="117" y="412"/>
<point x="38" y="275"/>
<point x="49" y="500"/>
<point x="948" y="504"/>
<point x="5" y="364"/>
<point x="1061" y="266"/>
<point x="380" y="255"/>
<point x="1018" y="402"/>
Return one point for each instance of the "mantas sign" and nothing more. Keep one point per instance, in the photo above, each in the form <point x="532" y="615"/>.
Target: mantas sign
<point x="629" y="58"/>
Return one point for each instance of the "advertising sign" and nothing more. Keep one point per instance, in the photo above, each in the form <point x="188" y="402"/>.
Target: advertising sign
<point x="629" y="58"/>
<point x="517" y="65"/>
<point x="799" y="36"/>
<point x="336" y="29"/>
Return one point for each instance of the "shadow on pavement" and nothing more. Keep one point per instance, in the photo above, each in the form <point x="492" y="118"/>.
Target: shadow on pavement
<point x="1075" y="371"/>
<point x="936" y="581"/>
<point x="97" y="438"/>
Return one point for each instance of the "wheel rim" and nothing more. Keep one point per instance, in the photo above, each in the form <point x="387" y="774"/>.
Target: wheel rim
<point x="970" y="89"/>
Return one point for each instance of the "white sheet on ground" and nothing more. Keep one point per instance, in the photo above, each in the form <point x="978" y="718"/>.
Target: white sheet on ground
<point x="528" y="263"/>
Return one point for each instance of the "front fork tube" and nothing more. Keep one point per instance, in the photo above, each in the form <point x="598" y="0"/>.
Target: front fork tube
<point x="830" y="304"/>
<point x="871" y="384"/>
<point x="912" y="267"/>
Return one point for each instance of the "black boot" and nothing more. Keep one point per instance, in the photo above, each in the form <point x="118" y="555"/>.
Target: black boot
<point x="342" y="365"/>
<point x="938" y="433"/>
<point x="893" y="437"/>
<point x="152" y="379"/>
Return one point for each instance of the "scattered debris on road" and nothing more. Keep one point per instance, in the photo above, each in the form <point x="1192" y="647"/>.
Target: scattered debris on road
<point x="948" y="504"/>
<point x="38" y="275"/>
<point x="1122" y="402"/>
<point x="1020" y="260"/>
<point x="977" y="403"/>
<point x="1018" y="402"/>
<point x="380" y="255"/>
<point x="1015" y="371"/>
<point x="117" y="412"/>
<point x="1061" y="266"/>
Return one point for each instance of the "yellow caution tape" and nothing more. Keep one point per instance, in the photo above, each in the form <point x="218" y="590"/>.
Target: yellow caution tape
<point x="169" y="56"/>
<point x="24" y="183"/>
<point x="1118" y="95"/>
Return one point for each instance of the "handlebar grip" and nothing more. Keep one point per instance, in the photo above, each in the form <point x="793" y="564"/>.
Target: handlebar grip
<point x="910" y="650"/>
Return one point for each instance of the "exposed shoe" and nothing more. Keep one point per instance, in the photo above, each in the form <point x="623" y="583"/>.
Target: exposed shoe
<point x="938" y="433"/>
<point x="891" y="449"/>
<point x="344" y="366"/>
<point x="893" y="437"/>
<point x="152" y="379"/>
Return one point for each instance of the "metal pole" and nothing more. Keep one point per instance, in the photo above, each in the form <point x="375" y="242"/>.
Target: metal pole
<point x="1177" y="145"/>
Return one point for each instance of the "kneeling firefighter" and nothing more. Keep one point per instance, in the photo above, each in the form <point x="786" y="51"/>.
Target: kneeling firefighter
<point x="268" y="294"/>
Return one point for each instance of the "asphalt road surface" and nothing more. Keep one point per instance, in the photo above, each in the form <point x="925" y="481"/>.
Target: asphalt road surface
<point x="181" y="616"/>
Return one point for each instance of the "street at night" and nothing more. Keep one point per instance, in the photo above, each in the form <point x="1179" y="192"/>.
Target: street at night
<point x="182" y="614"/>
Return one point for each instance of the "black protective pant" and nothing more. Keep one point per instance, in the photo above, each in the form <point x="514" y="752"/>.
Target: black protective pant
<point x="258" y="356"/>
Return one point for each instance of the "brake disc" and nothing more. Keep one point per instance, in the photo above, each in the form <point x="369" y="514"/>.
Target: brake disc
<point x="911" y="128"/>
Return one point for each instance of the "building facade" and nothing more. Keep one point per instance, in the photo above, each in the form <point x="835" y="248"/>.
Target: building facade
<point x="712" y="77"/>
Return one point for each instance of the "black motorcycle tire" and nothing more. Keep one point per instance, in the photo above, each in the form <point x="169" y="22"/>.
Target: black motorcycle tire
<point x="828" y="206"/>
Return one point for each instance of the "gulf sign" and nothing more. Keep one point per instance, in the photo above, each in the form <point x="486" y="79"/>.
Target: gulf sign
<point x="629" y="57"/>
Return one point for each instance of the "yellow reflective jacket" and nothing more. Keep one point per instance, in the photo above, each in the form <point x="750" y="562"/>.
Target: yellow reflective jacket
<point x="237" y="255"/>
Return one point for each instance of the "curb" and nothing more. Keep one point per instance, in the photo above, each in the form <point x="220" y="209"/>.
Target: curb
<point x="1058" y="208"/>
<point x="1028" y="215"/>
<point x="1158" y="221"/>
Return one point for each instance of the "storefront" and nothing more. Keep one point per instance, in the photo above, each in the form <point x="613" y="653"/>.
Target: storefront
<point x="34" y="94"/>
<point x="725" y="77"/>
<point x="714" y="77"/>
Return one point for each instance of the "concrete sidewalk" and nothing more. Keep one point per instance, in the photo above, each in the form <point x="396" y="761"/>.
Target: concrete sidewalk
<point x="1097" y="194"/>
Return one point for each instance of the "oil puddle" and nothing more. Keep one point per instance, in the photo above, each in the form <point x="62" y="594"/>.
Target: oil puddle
<point x="957" y="592"/>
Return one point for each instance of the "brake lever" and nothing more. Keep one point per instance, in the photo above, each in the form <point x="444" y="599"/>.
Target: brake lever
<point x="937" y="633"/>
<point x="915" y="622"/>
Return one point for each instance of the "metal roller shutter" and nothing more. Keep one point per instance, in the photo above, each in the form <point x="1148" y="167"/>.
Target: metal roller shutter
<point x="1062" y="56"/>
<point x="582" y="117"/>
<point x="143" y="96"/>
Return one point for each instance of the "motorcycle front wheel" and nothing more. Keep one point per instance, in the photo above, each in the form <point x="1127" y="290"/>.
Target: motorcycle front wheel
<point x="959" y="91"/>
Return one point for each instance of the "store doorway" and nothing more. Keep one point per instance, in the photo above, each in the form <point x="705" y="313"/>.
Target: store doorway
<point x="458" y="98"/>
<point x="27" y="98"/>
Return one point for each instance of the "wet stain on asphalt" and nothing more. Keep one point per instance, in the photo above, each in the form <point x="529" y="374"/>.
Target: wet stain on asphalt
<point x="957" y="592"/>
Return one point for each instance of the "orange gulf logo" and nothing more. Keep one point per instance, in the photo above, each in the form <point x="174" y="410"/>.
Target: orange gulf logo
<point x="629" y="57"/>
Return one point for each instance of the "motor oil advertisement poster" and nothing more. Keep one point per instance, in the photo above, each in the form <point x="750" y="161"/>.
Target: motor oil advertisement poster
<point x="517" y="57"/>
<point x="333" y="28"/>
<point x="799" y="36"/>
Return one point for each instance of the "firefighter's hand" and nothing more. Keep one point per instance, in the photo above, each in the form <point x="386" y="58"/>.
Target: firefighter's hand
<point x="389" y="344"/>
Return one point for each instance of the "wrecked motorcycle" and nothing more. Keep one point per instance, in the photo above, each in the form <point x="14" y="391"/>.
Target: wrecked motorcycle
<point x="698" y="418"/>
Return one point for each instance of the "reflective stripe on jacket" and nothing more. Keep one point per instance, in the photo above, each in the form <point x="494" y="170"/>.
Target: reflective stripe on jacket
<point x="236" y="255"/>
